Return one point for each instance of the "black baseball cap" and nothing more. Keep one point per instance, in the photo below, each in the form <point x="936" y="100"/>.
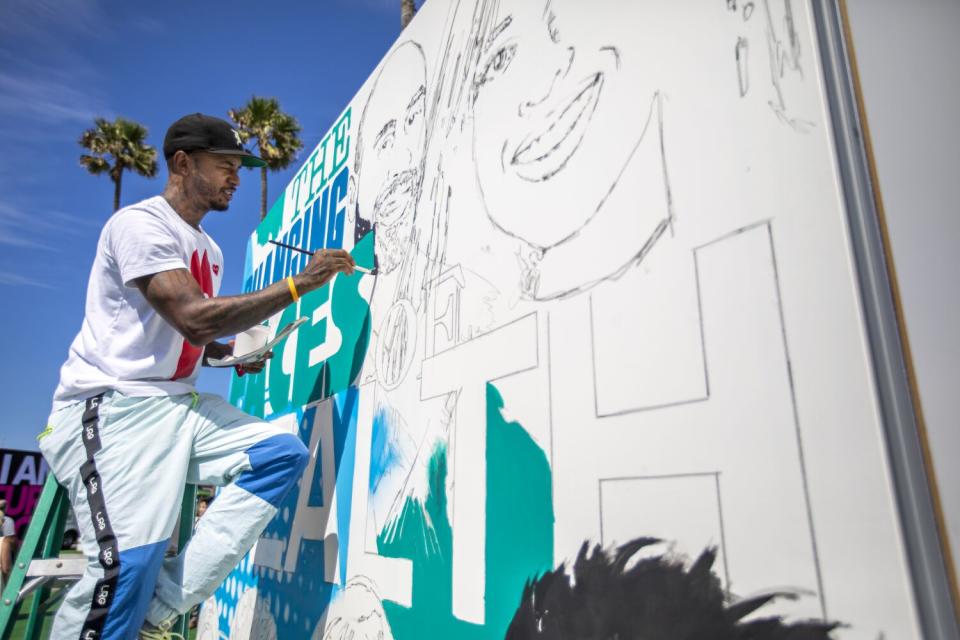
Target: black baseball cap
<point x="199" y="132"/>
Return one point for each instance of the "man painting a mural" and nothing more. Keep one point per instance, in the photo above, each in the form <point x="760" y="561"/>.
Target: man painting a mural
<point x="128" y="428"/>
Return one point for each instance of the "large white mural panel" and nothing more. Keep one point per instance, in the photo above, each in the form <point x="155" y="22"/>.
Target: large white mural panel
<point x="612" y="299"/>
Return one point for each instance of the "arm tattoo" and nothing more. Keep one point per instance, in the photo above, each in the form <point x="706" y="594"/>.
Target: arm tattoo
<point x="177" y="297"/>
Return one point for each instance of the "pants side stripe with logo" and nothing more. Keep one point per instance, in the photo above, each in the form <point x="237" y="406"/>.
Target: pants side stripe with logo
<point x="106" y="540"/>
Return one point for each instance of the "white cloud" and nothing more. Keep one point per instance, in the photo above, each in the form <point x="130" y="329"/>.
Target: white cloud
<point x="48" y="101"/>
<point x="24" y="227"/>
<point x="16" y="279"/>
<point x="41" y="19"/>
<point x="57" y="86"/>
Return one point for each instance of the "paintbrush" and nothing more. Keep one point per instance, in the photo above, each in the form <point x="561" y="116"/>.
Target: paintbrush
<point x="310" y="253"/>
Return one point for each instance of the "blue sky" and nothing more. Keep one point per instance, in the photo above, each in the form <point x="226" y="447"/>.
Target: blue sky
<point x="64" y="62"/>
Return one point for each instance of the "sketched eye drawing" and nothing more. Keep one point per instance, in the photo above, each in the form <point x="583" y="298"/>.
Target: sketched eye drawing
<point x="552" y="27"/>
<point x="496" y="64"/>
<point x="415" y="110"/>
<point x="385" y="138"/>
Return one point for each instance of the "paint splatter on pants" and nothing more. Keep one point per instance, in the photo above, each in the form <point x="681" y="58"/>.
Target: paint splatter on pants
<point x="124" y="461"/>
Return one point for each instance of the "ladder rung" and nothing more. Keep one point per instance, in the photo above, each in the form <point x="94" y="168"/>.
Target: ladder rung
<point x="31" y="585"/>
<point x="56" y="567"/>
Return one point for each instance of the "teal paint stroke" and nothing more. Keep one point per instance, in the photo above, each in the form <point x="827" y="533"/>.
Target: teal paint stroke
<point x="519" y="536"/>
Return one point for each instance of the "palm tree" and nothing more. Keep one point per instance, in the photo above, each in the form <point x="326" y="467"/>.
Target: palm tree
<point x="276" y="133"/>
<point x="407" y="9"/>
<point x="122" y="141"/>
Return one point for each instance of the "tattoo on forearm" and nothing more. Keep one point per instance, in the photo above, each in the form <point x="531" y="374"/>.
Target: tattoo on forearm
<point x="177" y="297"/>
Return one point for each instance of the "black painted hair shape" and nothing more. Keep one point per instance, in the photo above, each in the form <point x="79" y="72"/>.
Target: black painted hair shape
<point x="655" y="599"/>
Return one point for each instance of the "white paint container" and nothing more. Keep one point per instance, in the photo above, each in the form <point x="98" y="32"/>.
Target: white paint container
<point x="250" y="340"/>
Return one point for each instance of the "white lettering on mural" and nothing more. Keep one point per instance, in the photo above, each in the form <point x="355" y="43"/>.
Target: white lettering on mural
<point x="311" y="522"/>
<point x="324" y="162"/>
<point x="329" y="347"/>
<point x="393" y="576"/>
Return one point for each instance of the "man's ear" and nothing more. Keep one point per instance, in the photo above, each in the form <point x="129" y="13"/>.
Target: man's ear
<point x="181" y="163"/>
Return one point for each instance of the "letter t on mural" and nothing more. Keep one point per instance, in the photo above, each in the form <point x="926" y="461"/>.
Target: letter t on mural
<point x="466" y="370"/>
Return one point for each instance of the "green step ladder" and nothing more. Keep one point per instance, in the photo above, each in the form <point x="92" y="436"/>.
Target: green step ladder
<point x="39" y="567"/>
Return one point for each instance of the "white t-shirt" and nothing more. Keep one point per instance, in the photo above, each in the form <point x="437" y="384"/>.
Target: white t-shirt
<point x="124" y="344"/>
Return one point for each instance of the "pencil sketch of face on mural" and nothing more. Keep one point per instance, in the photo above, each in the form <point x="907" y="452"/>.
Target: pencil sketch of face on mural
<point x="391" y="141"/>
<point x="556" y="119"/>
<point x="356" y="614"/>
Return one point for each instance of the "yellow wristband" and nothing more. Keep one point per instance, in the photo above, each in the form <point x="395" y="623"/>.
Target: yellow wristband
<point x="293" y="288"/>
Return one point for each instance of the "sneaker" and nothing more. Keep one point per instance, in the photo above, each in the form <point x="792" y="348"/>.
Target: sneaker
<point x="162" y="632"/>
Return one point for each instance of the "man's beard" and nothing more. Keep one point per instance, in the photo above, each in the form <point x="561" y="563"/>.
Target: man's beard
<point x="208" y="195"/>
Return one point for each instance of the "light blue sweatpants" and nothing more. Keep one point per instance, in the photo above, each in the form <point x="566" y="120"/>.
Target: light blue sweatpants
<point x="124" y="461"/>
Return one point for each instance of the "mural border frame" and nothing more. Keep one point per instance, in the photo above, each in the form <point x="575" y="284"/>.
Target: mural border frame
<point x="914" y="481"/>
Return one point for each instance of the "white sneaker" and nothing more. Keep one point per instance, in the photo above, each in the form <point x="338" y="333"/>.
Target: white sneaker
<point x="161" y="632"/>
